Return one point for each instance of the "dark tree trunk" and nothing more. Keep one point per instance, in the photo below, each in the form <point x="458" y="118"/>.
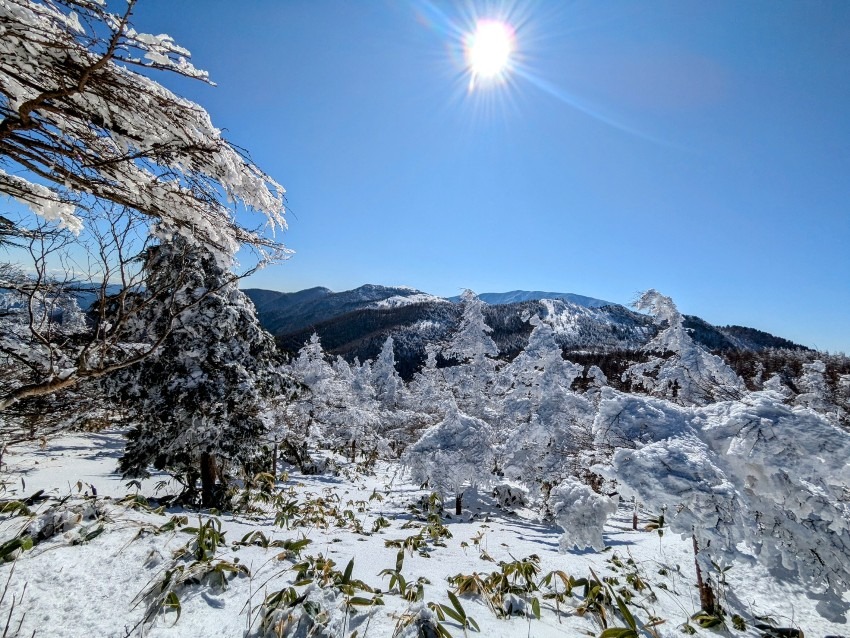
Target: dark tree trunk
<point x="635" y="516"/>
<point x="293" y="453"/>
<point x="209" y="471"/>
<point x="458" y="503"/>
<point x="274" y="460"/>
<point x="706" y="593"/>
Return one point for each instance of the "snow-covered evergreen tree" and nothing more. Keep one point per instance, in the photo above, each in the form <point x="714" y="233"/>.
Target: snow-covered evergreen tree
<point x="542" y="425"/>
<point x="311" y="366"/>
<point x="813" y="390"/>
<point x="339" y="410"/>
<point x="387" y="382"/>
<point x="426" y="391"/>
<point x="197" y="405"/>
<point x="453" y="454"/>
<point x="297" y="422"/>
<point x="472" y="339"/>
<point x="679" y="369"/>
<point x="472" y="381"/>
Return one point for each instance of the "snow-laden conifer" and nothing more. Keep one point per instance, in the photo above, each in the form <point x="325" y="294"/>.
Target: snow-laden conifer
<point x="338" y="409"/>
<point x="453" y="454"/>
<point x="197" y="404"/>
<point x="679" y="369"/>
<point x="387" y="382"/>
<point x="472" y="339"/>
<point x="474" y="350"/>
<point x="543" y="424"/>
<point x="426" y="390"/>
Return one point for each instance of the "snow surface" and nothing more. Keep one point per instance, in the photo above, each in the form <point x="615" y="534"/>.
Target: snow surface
<point x="90" y="588"/>
<point x="516" y="296"/>
<point x="397" y="301"/>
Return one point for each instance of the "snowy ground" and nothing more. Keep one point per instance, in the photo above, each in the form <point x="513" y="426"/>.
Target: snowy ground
<point x="88" y="578"/>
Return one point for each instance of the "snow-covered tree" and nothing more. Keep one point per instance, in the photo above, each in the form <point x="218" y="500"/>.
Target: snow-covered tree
<point x="426" y="391"/>
<point x="472" y="347"/>
<point x="538" y="374"/>
<point x="295" y="419"/>
<point x="307" y="416"/>
<point x="471" y="340"/>
<point x="753" y="479"/>
<point x="453" y="454"/>
<point x="543" y="425"/>
<point x="814" y="392"/>
<point x="311" y="366"/>
<point x="89" y="141"/>
<point x="338" y="410"/>
<point x="84" y="121"/>
<point x="197" y="405"/>
<point x="387" y="382"/>
<point x="679" y="369"/>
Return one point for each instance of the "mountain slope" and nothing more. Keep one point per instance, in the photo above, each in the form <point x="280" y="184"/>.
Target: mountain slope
<point x="362" y="332"/>
<point x="355" y="323"/>
<point x="517" y="296"/>
<point x="283" y="313"/>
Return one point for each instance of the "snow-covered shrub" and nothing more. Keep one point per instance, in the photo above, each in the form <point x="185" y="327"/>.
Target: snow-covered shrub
<point x="419" y="622"/>
<point x="323" y="608"/>
<point x="62" y="519"/>
<point x="581" y="513"/>
<point x="455" y="452"/>
<point x="814" y="391"/>
<point x="509" y="497"/>
<point x="750" y="479"/>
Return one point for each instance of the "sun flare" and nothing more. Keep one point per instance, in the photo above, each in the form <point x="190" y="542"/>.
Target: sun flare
<point x="489" y="49"/>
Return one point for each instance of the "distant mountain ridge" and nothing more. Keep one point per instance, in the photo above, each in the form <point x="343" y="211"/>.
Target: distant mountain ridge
<point x="292" y="311"/>
<point x="517" y="296"/>
<point x="285" y="312"/>
<point x="355" y="323"/>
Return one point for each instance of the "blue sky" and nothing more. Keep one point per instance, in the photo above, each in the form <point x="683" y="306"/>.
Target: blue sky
<point x="699" y="148"/>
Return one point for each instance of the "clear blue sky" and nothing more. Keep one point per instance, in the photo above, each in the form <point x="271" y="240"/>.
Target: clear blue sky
<point x="700" y="148"/>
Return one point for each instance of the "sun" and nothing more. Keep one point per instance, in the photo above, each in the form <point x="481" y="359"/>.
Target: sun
<point x="489" y="49"/>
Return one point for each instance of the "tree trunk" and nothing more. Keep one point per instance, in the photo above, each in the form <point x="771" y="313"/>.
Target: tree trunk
<point x="706" y="593"/>
<point x="458" y="503"/>
<point x="274" y="460"/>
<point x="209" y="471"/>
